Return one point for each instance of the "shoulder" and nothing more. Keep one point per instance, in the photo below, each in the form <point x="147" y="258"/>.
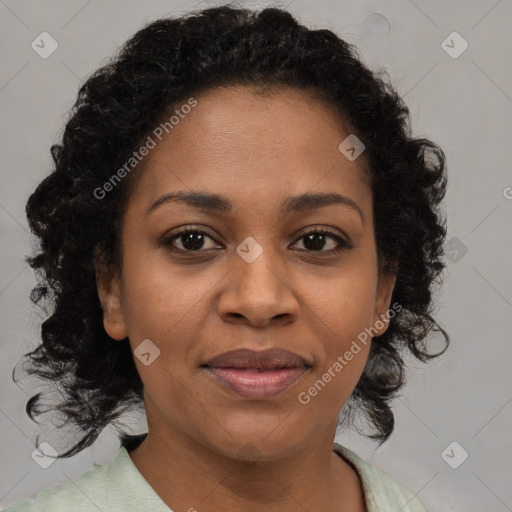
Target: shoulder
<point x="382" y="493"/>
<point x="86" y="493"/>
<point x="116" y="487"/>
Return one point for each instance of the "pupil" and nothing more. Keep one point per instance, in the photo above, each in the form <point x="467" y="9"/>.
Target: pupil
<point x="189" y="243"/>
<point x="315" y="246"/>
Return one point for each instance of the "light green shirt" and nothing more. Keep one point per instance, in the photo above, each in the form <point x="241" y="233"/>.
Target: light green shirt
<point x="120" y="487"/>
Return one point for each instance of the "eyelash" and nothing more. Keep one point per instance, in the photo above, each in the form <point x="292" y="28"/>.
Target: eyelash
<point x="342" y="244"/>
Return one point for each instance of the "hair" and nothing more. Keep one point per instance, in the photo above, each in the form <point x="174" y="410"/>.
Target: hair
<point x="119" y="105"/>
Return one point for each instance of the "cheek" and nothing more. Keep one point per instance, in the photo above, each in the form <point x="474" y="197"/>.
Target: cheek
<point x="342" y="309"/>
<point x="345" y="303"/>
<point x="170" y="309"/>
<point x="341" y="314"/>
<point x="159" y="300"/>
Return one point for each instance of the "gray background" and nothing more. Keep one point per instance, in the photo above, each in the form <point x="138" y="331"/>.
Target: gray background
<point x="463" y="103"/>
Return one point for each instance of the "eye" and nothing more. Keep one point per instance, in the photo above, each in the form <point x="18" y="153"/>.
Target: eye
<point x="191" y="240"/>
<point x="315" y="241"/>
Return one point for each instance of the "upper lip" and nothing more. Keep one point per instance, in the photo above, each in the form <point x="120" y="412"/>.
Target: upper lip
<point x="265" y="359"/>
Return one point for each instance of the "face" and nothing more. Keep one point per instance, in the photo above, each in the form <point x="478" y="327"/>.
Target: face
<point x="189" y="282"/>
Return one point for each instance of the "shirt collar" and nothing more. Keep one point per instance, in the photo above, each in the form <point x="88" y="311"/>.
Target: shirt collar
<point x="129" y="490"/>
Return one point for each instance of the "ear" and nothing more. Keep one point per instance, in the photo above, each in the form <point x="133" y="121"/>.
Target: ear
<point x="382" y="302"/>
<point x="109" y="293"/>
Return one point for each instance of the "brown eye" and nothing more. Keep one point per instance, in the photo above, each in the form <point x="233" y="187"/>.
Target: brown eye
<point x="318" y="240"/>
<point x="315" y="240"/>
<point x="190" y="241"/>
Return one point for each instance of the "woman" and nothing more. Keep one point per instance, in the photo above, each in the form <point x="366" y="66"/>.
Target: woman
<point x="241" y="234"/>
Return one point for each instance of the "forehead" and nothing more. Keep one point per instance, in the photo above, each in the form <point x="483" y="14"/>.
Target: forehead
<point x="236" y="139"/>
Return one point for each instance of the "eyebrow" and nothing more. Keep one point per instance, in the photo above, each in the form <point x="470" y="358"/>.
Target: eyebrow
<point x="294" y="204"/>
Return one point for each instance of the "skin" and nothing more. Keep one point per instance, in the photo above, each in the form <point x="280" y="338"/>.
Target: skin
<point x="208" y="448"/>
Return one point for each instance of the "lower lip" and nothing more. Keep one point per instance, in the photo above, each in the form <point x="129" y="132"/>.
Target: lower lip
<point x="250" y="383"/>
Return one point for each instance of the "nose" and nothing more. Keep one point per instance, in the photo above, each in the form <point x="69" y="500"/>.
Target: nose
<point x="258" y="294"/>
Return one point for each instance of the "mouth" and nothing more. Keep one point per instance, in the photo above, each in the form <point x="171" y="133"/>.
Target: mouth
<point x="257" y="375"/>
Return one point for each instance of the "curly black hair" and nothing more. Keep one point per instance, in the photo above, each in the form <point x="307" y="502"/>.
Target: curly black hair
<point x="119" y="105"/>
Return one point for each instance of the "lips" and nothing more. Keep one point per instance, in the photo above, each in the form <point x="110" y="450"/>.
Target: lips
<point x="270" y="359"/>
<point x="257" y="374"/>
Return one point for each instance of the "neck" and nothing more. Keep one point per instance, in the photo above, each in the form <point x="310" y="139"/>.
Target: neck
<point x="189" y="475"/>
